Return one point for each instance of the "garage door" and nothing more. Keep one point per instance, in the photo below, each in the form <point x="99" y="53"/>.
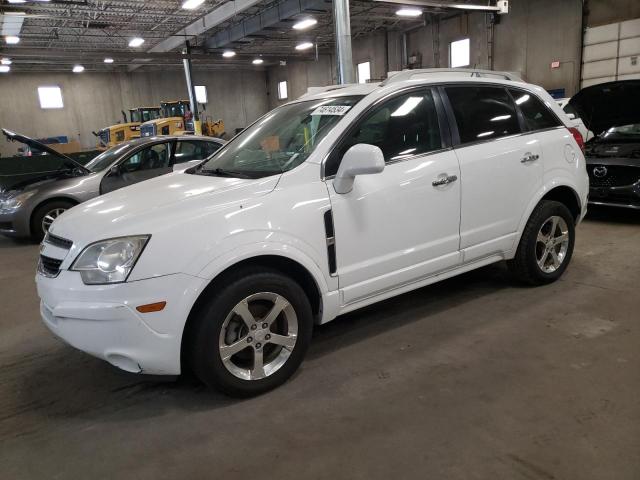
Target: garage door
<point x="611" y="52"/>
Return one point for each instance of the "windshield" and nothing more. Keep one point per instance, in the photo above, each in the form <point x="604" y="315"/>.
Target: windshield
<point x="279" y="141"/>
<point x="106" y="158"/>
<point x="631" y="131"/>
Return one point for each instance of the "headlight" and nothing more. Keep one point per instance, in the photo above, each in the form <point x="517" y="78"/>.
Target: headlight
<point x="13" y="199"/>
<point x="109" y="261"/>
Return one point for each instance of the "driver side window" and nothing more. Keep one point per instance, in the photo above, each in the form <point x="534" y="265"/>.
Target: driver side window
<point x="401" y="127"/>
<point x="150" y="158"/>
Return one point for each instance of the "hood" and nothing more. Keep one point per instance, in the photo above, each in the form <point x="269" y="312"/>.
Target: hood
<point x="608" y="105"/>
<point x="24" y="181"/>
<point x="169" y="202"/>
<point x="16" y="137"/>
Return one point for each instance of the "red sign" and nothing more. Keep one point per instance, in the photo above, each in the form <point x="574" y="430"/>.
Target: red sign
<point x="555" y="64"/>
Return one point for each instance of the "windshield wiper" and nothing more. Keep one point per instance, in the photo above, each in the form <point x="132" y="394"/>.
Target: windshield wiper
<point x="221" y="172"/>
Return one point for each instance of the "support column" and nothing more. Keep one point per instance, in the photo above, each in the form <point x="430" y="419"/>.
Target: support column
<point x="192" y="91"/>
<point x="344" y="57"/>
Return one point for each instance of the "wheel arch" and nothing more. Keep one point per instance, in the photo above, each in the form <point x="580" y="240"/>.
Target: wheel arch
<point x="44" y="201"/>
<point x="562" y="192"/>
<point x="285" y="265"/>
<point x="568" y="197"/>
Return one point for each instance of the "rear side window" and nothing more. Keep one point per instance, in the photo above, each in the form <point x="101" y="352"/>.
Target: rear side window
<point x="403" y="126"/>
<point x="536" y="114"/>
<point x="483" y="113"/>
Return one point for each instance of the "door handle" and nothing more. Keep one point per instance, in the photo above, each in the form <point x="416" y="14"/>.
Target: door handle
<point x="444" y="179"/>
<point x="529" y="157"/>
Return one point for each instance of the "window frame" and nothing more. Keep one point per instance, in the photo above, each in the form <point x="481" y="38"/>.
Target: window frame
<point x="453" y="125"/>
<point x="525" y="125"/>
<point x="443" y="123"/>
<point x="358" y="71"/>
<point x="206" y="94"/>
<point x="125" y="156"/>
<point x="468" y="64"/>
<point x="40" y="99"/>
<point x="170" y="146"/>
<point x="193" y="141"/>
<point x="286" y="87"/>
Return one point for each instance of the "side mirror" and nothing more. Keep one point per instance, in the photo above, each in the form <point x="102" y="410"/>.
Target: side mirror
<point x="572" y="116"/>
<point x="115" y="170"/>
<point x="361" y="159"/>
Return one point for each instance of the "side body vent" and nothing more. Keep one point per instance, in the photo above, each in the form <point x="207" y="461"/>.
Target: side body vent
<point x="331" y="241"/>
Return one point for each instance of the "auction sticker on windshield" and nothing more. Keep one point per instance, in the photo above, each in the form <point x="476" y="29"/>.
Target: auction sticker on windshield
<point x="331" y="110"/>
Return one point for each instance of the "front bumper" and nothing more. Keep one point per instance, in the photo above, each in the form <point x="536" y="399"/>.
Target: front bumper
<point x="102" y="320"/>
<point x="14" y="223"/>
<point x="627" y="196"/>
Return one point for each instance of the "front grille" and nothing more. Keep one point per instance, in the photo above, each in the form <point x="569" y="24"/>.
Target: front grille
<point x="612" y="175"/>
<point x="58" y="241"/>
<point x="49" y="267"/>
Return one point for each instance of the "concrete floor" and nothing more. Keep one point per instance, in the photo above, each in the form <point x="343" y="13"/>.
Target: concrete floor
<point x="474" y="378"/>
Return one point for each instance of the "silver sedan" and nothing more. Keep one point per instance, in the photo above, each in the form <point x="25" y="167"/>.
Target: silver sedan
<point x="29" y="203"/>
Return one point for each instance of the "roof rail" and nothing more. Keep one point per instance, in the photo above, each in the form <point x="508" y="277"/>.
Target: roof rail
<point x="471" y="72"/>
<point x="328" y="88"/>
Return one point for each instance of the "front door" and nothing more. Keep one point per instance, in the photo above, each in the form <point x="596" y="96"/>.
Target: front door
<point x="401" y="225"/>
<point x="151" y="161"/>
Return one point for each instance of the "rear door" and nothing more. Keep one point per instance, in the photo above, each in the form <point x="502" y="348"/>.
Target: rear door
<point x="146" y="163"/>
<point x="500" y="166"/>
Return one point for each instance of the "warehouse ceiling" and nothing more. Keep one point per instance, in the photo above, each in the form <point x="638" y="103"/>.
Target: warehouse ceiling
<point x="56" y="34"/>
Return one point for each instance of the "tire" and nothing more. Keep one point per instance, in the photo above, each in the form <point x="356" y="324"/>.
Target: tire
<point x="530" y="264"/>
<point x="47" y="209"/>
<point x="218" y="328"/>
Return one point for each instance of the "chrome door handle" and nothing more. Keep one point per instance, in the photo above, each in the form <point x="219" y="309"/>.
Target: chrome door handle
<point x="529" y="157"/>
<point x="444" y="179"/>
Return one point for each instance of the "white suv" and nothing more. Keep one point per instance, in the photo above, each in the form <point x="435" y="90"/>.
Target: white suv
<point x="338" y="200"/>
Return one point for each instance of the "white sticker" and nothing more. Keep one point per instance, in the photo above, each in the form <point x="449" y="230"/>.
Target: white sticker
<point x="331" y="110"/>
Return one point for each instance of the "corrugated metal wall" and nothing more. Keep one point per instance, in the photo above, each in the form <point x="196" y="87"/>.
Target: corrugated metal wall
<point x="611" y="52"/>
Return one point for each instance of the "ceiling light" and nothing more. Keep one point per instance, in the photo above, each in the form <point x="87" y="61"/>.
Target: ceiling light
<point x="258" y="61"/>
<point x="108" y="60"/>
<point x="5" y="61"/>
<point x="192" y="4"/>
<point x="136" y="42"/>
<point x="12" y="39"/>
<point x="14" y="14"/>
<point x="304" y="46"/>
<point x="17" y="1"/>
<point x="304" y="24"/>
<point x="228" y="54"/>
<point x="4" y="68"/>
<point x="409" y="12"/>
<point x="78" y="69"/>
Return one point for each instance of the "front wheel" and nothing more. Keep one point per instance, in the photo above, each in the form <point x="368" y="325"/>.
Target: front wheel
<point x="252" y="335"/>
<point x="44" y="216"/>
<point x="546" y="244"/>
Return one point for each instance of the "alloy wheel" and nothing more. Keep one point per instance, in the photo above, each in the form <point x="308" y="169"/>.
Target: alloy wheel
<point x="552" y="244"/>
<point x="50" y="216"/>
<point x="258" y="336"/>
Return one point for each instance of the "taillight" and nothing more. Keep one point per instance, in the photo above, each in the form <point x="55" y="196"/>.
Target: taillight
<point x="578" y="136"/>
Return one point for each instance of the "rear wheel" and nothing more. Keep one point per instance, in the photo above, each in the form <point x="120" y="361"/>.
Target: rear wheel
<point x="252" y="335"/>
<point x="44" y="216"/>
<point x="546" y="245"/>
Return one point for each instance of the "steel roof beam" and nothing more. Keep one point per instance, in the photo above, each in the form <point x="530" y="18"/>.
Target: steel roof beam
<point x="264" y="19"/>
